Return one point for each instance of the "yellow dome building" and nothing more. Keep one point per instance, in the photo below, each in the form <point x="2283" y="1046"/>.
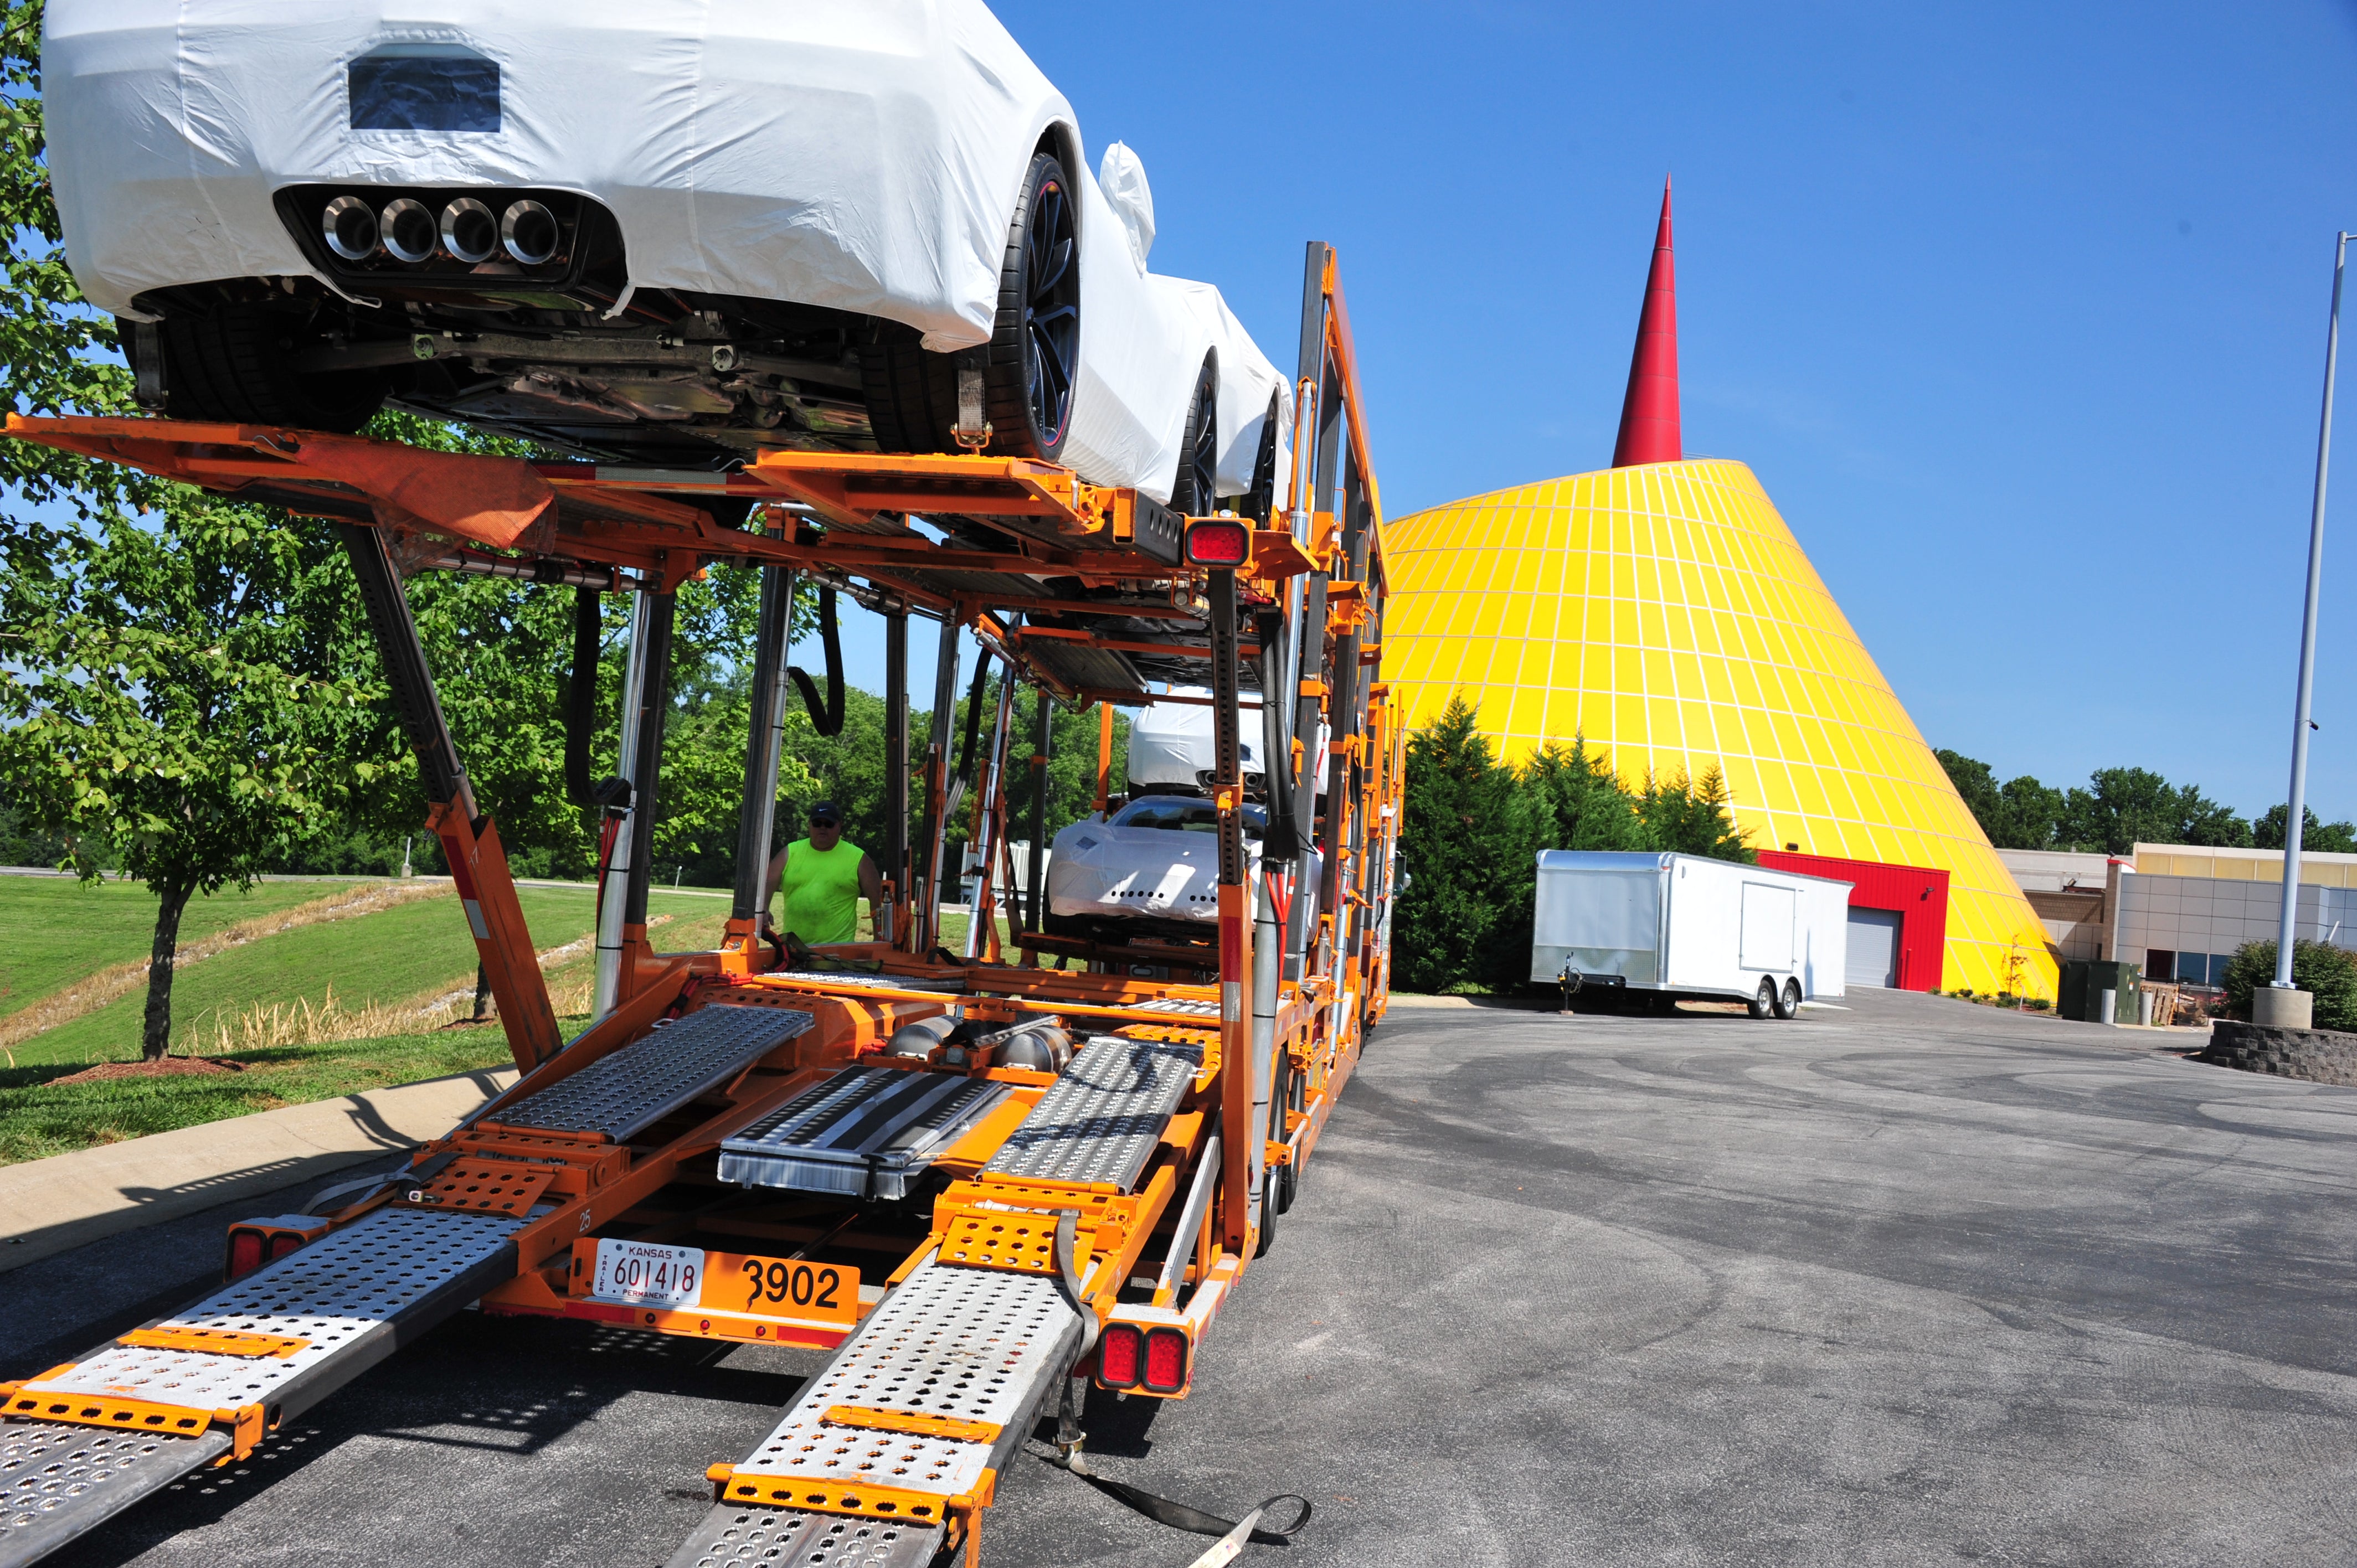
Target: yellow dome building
<point x="1663" y="610"/>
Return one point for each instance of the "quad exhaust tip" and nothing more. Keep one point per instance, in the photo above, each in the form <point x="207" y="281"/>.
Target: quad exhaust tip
<point x="468" y="231"/>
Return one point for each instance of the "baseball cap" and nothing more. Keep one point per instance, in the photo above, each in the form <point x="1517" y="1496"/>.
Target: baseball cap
<point x="824" y="812"/>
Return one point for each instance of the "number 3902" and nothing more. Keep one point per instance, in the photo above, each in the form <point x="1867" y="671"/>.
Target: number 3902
<point x="804" y="1284"/>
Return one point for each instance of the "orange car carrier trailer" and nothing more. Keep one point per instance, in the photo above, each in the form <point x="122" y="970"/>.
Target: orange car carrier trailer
<point x="976" y="1179"/>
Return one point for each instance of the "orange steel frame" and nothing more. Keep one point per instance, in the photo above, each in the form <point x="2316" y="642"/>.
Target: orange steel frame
<point x="658" y="1185"/>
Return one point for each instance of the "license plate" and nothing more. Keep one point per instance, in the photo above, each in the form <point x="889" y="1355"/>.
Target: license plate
<point x="644" y="1275"/>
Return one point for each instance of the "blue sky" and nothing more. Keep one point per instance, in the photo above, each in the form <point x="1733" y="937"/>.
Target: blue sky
<point x="2018" y="312"/>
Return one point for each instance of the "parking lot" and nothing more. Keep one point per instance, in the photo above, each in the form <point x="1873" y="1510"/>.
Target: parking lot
<point x="1911" y="1281"/>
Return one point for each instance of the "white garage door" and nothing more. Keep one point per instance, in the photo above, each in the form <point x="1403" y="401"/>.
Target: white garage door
<point x="1873" y="947"/>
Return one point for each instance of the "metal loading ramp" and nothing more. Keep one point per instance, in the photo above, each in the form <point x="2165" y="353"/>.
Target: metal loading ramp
<point x="910" y="1422"/>
<point x="85" y="1440"/>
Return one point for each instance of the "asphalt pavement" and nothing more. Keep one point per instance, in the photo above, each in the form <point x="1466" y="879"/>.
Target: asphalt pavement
<point x="1912" y="1283"/>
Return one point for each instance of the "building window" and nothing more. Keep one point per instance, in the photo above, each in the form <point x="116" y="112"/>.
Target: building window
<point x="2159" y="963"/>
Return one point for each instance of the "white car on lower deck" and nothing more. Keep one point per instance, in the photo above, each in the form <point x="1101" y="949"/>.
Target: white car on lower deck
<point x="654" y="231"/>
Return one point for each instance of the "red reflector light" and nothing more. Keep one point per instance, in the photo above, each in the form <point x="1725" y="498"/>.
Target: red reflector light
<point x="1219" y="543"/>
<point x="1165" y="1361"/>
<point x="244" y="1253"/>
<point x="1118" y="1356"/>
<point x="283" y="1242"/>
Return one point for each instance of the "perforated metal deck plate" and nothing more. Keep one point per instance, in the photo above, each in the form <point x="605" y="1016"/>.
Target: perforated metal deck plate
<point x="864" y="1133"/>
<point x="1101" y="1120"/>
<point x="789" y="1538"/>
<point x="970" y="1344"/>
<point x="351" y="1295"/>
<point x="860" y="977"/>
<point x="333" y="1295"/>
<point x="648" y="1078"/>
<point x="1180" y="1006"/>
<point x="57" y="1481"/>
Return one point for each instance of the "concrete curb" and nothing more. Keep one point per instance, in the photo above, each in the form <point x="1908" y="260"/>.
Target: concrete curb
<point x="48" y="1205"/>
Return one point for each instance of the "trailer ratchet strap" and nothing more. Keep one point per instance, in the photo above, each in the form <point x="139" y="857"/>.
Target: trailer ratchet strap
<point x="1195" y="1522"/>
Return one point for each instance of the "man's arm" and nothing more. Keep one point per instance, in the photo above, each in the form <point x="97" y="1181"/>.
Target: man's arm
<point x="769" y="883"/>
<point x="871" y="887"/>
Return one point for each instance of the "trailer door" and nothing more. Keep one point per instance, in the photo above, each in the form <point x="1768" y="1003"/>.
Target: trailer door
<point x="1769" y="914"/>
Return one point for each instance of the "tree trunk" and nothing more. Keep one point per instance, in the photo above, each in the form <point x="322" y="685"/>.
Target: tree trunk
<point x="156" y="1037"/>
<point x="482" y="993"/>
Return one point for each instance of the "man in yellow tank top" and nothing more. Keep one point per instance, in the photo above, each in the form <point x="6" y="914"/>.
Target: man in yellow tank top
<point x="824" y="879"/>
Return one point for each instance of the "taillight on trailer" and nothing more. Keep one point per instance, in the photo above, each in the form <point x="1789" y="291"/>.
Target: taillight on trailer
<point x="1118" y="1356"/>
<point x="244" y="1253"/>
<point x="1216" y="541"/>
<point x="1165" y="1361"/>
<point x="253" y="1243"/>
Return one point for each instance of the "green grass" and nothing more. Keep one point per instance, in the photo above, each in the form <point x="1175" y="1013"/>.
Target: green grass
<point x="61" y="930"/>
<point x="391" y="956"/>
<point x="38" y="1119"/>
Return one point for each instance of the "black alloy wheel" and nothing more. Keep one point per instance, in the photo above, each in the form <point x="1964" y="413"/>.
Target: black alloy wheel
<point x="1260" y="502"/>
<point x="1194" y="492"/>
<point x="1035" y="350"/>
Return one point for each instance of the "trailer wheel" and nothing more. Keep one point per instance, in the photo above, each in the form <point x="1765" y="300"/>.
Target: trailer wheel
<point x="1763" y="1002"/>
<point x="1788" y="1001"/>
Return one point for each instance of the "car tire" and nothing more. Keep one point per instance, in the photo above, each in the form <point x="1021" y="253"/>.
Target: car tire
<point x="235" y="365"/>
<point x="1194" y="488"/>
<point x="1788" y="1001"/>
<point x="1260" y="502"/>
<point x="1032" y="356"/>
<point x="1763" y="1001"/>
<point x="1035" y="345"/>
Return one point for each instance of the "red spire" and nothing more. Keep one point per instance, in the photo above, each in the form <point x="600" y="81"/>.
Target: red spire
<point x="1649" y="416"/>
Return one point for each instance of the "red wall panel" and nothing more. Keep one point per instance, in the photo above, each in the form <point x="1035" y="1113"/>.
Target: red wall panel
<point x="1918" y="893"/>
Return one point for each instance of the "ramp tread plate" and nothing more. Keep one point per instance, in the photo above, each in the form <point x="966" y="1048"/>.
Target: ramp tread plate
<point x="861" y="977"/>
<point x="1100" y="1120"/>
<point x="329" y="1294"/>
<point x="789" y="1538"/>
<point x="864" y="1133"/>
<point x="57" y="1480"/>
<point x="648" y="1078"/>
<point x="1183" y="1006"/>
<point x="969" y="1343"/>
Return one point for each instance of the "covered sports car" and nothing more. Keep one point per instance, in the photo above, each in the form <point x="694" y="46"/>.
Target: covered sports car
<point x="1157" y="860"/>
<point x="661" y="232"/>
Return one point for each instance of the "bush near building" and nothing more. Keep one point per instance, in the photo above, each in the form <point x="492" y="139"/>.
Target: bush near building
<point x="1473" y="827"/>
<point x="2324" y="971"/>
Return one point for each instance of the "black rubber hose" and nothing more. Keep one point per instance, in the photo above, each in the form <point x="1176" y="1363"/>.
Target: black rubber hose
<point x="826" y="719"/>
<point x="581" y="696"/>
<point x="963" y="780"/>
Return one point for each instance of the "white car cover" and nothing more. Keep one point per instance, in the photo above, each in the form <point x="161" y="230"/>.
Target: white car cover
<point x="1172" y="744"/>
<point x="1157" y="858"/>
<point x="862" y="156"/>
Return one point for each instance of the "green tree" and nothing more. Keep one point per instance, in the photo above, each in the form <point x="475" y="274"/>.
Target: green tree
<point x="2020" y="813"/>
<point x="1580" y="803"/>
<point x="2325" y="838"/>
<point x="1690" y="817"/>
<point x="2125" y="806"/>
<point x="2325" y="973"/>
<point x="155" y="701"/>
<point x="1466" y="858"/>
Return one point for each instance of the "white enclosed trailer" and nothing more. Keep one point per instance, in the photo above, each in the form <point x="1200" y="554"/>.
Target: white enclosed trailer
<point x="1634" y="924"/>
